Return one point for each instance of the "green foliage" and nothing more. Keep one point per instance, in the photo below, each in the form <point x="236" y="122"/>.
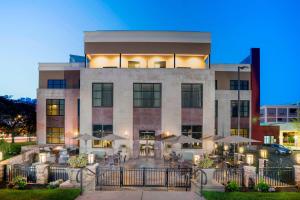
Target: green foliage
<point x="12" y="149"/>
<point x="232" y="186"/>
<point x="205" y="163"/>
<point x="19" y="182"/>
<point x="78" y="161"/>
<point x="262" y="186"/>
<point x="39" y="194"/>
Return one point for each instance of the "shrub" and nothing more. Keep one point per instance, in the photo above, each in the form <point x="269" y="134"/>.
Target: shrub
<point x="205" y="163"/>
<point x="19" y="182"/>
<point x="232" y="186"/>
<point x="78" y="161"/>
<point x="262" y="186"/>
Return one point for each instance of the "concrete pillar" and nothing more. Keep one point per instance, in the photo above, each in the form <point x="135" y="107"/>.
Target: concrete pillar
<point x="89" y="178"/>
<point x="42" y="173"/>
<point x="249" y="173"/>
<point x="297" y="175"/>
<point x="262" y="163"/>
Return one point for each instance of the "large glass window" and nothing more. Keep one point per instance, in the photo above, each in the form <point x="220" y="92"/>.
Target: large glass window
<point x="55" y="107"/>
<point x="55" y="135"/>
<point x="100" y="130"/>
<point x="146" y="95"/>
<point x="194" y="131"/>
<point x="147" y="135"/>
<point x="243" y="132"/>
<point x="56" y="83"/>
<point x="191" y="95"/>
<point x="102" y="94"/>
<point x="244" y="108"/>
<point x="234" y="85"/>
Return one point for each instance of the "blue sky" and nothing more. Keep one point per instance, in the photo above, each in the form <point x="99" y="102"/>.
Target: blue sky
<point x="34" y="31"/>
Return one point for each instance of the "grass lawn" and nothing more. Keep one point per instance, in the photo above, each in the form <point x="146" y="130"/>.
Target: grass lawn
<point x="11" y="149"/>
<point x="251" y="195"/>
<point x="39" y="194"/>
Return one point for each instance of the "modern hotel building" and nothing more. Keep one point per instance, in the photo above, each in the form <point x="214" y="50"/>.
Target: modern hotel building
<point x="142" y="85"/>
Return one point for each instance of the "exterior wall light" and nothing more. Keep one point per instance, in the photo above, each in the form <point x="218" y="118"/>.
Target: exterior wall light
<point x="1" y="155"/>
<point x="91" y="158"/>
<point x="241" y="150"/>
<point x="263" y="153"/>
<point x="196" y="158"/>
<point x="42" y="157"/>
<point x="249" y="159"/>
<point x="297" y="158"/>
<point x="216" y="146"/>
<point x="226" y="147"/>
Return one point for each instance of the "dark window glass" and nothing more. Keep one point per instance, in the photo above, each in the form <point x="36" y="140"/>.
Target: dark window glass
<point x="243" y="132"/>
<point x="216" y="108"/>
<point x="55" y="107"/>
<point x="193" y="131"/>
<point x="57" y="84"/>
<point x="282" y="111"/>
<point x="244" y="85"/>
<point x="55" y="135"/>
<point x="146" y="95"/>
<point x="216" y="84"/>
<point x="100" y="130"/>
<point x="244" y="108"/>
<point x="191" y="95"/>
<point x="271" y="111"/>
<point x="293" y="111"/>
<point x="102" y="94"/>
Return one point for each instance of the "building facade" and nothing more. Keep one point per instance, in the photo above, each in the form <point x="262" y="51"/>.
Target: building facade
<point x="142" y="85"/>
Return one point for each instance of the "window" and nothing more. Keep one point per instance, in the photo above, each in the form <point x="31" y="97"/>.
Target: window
<point x="99" y="131"/>
<point x="194" y="131"/>
<point x="281" y="119"/>
<point x="269" y="139"/>
<point x="271" y="111"/>
<point x="146" y="95"/>
<point x="244" y="108"/>
<point x="160" y="64"/>
<point x="102" y="94"/>
<point x="134" y="64"/>
<point x="243" y="132"/>
<point x="282" y="111"/>
<point x="234" y="85"/>
<point x="216" y="84"/>
<point x="293" y="112"/>
<point x="147" y="135"/>
<point x="55" y="135"/>
<point x="262" y="112"/>
<point x="191" y="95"/>
<point x="55" y="107"/>
<point x="56" y="84"/>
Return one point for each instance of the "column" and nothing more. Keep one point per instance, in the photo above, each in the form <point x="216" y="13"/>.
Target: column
<point x="297" y="175"/>
<point x="249" y="174"/>
<point x="42" y="173"/>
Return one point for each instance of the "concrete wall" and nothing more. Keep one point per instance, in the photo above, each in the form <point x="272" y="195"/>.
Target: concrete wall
<point x="123" y="80"/>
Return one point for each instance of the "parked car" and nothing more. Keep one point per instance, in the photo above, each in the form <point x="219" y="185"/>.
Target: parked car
<point x="279" y="149"/>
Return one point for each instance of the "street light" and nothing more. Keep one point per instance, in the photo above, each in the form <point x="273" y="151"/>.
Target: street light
<point x="239" y="101"/>
<point x="249" y="159"/>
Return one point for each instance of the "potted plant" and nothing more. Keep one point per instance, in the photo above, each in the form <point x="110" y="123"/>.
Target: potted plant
<point x="206" y="165"/>
<point x="76" y="163"/>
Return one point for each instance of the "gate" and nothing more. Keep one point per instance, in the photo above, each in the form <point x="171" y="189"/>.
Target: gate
<point x="27" y="172"/>
<point x="144" y="177"/>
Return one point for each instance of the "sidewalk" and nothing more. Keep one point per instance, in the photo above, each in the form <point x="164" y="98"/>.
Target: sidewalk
<point x="139" y="195"/>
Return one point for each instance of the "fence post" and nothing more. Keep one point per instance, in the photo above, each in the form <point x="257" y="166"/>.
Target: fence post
<point x="144" y="176"/>
<point x="297" y="175"/>
<point x="249" y="172"/>
<point x="42" y="173"/>
<point x="121" y="176"/>
<point x="167" y="178"/>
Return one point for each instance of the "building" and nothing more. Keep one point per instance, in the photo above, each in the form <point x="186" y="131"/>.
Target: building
<point x="143" y="85"/>
<point x="283" y="116"/>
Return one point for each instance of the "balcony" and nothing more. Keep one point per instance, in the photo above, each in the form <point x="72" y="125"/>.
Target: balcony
<point x="137" y="61"/>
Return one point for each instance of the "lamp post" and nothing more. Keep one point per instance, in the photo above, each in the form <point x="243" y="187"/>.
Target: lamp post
<point x="239" y="98"/>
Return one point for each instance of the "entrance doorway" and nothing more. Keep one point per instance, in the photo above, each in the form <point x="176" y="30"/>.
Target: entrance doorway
<point x="147" y="140"/>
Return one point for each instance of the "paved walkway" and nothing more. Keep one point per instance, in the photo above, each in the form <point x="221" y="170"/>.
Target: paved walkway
<point x="139" y="195"/>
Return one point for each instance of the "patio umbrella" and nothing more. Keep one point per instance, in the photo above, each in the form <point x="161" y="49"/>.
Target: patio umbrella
<point x="85" y="137"/>
<point x="182" y="139"/>
<point x="235" y="140"/>
<point x="111" y="137"/>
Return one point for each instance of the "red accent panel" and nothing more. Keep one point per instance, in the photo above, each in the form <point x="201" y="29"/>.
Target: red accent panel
<point x="146" y="119"/>
<point x="191" y="116"/>
<point x="102" y="115"/>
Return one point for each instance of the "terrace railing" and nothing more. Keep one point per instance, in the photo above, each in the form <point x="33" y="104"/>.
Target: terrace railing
<point x="276" y="176"/>
<point x="27" y="172"/>
<point x="56" y="173"/>
<point x="224" y="175"/>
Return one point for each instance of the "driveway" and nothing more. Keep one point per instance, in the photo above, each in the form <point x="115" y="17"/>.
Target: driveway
<point x="139" y="195"/>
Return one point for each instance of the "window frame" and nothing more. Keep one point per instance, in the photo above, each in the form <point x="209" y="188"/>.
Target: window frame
<point x="243" y="111"/>
<point x="102" y="143"/>
<point x="142" y="97"/>
<point x="56" y="84"/>
<point x="61" y="133"/>
<point x="243" y="132"/>
<point x="191" y="94"/>
<point x="61" y="112"/>
<point x="187" y="133"/>
<point x="102" y="92"/>
<point x="234" y="84"/>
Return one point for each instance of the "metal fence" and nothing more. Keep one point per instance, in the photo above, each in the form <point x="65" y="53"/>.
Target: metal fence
<point x="276" y="176"/>
<point x="224" y="175"/>
<point x="56" y="173"/>
<point x="144" y="177"/>
<point x="27" y="172"/>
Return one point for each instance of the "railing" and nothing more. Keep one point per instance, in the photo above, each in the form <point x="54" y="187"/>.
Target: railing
<point x="144" y="177"/>
<point x="56" y="173"/>
<point x="276" y="176"/>
<point x="224" y="175"/>
<point x="198" y="172"/>
<point x="27" y="172"/>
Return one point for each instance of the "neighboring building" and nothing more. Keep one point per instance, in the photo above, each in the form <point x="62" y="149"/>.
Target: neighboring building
<point x="286" y="118"/>
<point x="144" y="84"/>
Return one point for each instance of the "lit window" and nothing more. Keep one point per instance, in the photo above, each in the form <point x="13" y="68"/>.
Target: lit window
<point x="100" y="130"/>
<point x="243" y="132"/>
<point x="194" y="131"/>
<point x="55" y="107"/>
<point x="55" y="135"/>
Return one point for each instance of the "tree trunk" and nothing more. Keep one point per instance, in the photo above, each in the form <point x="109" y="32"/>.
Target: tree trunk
<point x="13" y="137"/>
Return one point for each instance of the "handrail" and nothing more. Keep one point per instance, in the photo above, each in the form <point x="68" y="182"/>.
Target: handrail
<point x="202" y="173"/>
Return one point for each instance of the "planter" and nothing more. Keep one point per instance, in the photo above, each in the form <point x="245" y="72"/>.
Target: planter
<point x="210" y="175"/>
